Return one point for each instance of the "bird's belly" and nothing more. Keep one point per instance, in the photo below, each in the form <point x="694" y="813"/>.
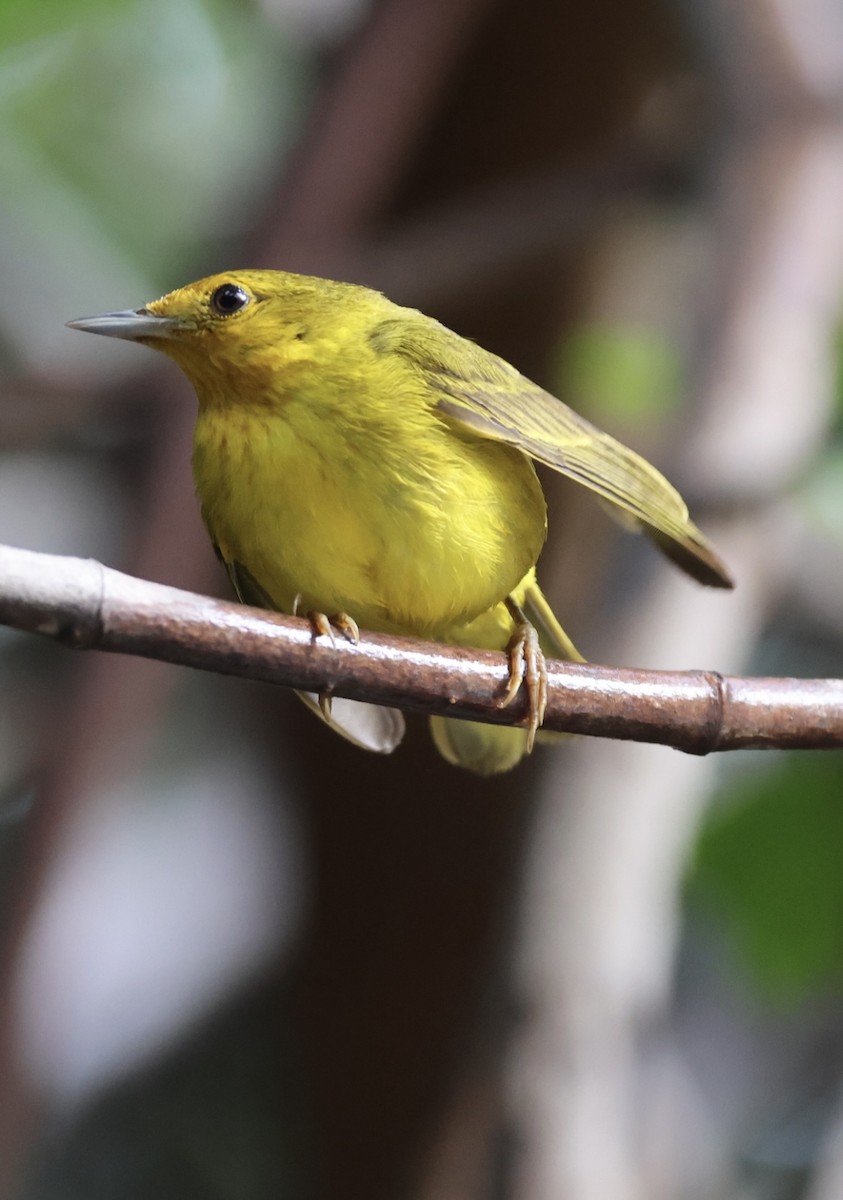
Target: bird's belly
<point x="399" y="546"/>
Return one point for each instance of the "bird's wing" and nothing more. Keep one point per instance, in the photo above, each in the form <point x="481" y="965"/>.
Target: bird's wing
<point x="483" y="394"/>
<point x="369" y="726"/>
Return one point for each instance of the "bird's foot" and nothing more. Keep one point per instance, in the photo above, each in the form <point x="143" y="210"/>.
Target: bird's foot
<point x="324" y="625"/>
<point x="526" y="665"/>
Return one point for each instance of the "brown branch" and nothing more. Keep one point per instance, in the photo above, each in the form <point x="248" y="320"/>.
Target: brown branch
<point x="83" y="604"/>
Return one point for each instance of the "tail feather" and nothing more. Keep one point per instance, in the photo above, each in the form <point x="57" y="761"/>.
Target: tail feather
<point x="483" y="749"/>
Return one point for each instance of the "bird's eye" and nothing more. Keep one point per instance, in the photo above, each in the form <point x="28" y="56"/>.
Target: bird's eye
<point x="229" y="298"/>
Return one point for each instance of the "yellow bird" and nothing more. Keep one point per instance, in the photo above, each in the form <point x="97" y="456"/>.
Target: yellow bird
<point x="360" y="462"/>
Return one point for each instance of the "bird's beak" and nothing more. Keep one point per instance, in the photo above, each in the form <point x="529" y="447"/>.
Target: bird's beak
<point x="134" y="324"/>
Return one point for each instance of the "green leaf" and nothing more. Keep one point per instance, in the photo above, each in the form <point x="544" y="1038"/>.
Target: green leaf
<point x="821" y="494"/>
<point x="838" y="376"/>
<point x="138" y="139"/>
<point x="769" y="864"/>
<point x="25" y="20"/>
<point x="617" y="372"/>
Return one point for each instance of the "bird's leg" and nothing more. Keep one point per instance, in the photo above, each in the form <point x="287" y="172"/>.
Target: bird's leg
<point x="323" y="625"/>
<point x="526" y="665"/>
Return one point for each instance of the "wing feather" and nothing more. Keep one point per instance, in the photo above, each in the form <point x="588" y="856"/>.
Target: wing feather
<point x="483" y="394"/>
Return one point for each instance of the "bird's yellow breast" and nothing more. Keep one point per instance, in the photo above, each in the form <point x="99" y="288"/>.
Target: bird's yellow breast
<point x="356" y="495"/>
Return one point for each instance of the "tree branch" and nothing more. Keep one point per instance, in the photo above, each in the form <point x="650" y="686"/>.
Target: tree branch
<point x="83" y="604"/>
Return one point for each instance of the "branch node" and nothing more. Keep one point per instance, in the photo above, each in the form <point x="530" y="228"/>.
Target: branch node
<point x="82" y="624"/>
<point x="711" y="733"/>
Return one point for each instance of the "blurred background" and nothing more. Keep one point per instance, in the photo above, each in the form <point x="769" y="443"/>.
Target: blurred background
<point x="241" y="959"/>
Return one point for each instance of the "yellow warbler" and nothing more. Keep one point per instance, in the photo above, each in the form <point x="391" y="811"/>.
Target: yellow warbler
<point x="358" y="459"/>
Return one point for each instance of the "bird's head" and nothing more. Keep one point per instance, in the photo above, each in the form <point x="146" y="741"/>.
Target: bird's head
<point x="234" y="327"/>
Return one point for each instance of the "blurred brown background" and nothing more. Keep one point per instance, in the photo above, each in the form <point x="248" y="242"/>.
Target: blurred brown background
<point x="242" y="959"/>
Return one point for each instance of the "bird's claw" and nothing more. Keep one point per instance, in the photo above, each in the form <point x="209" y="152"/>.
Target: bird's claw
<point x="526" y="665"/>
<point x="324" y="626"/>
<point x="347" y="626"/>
